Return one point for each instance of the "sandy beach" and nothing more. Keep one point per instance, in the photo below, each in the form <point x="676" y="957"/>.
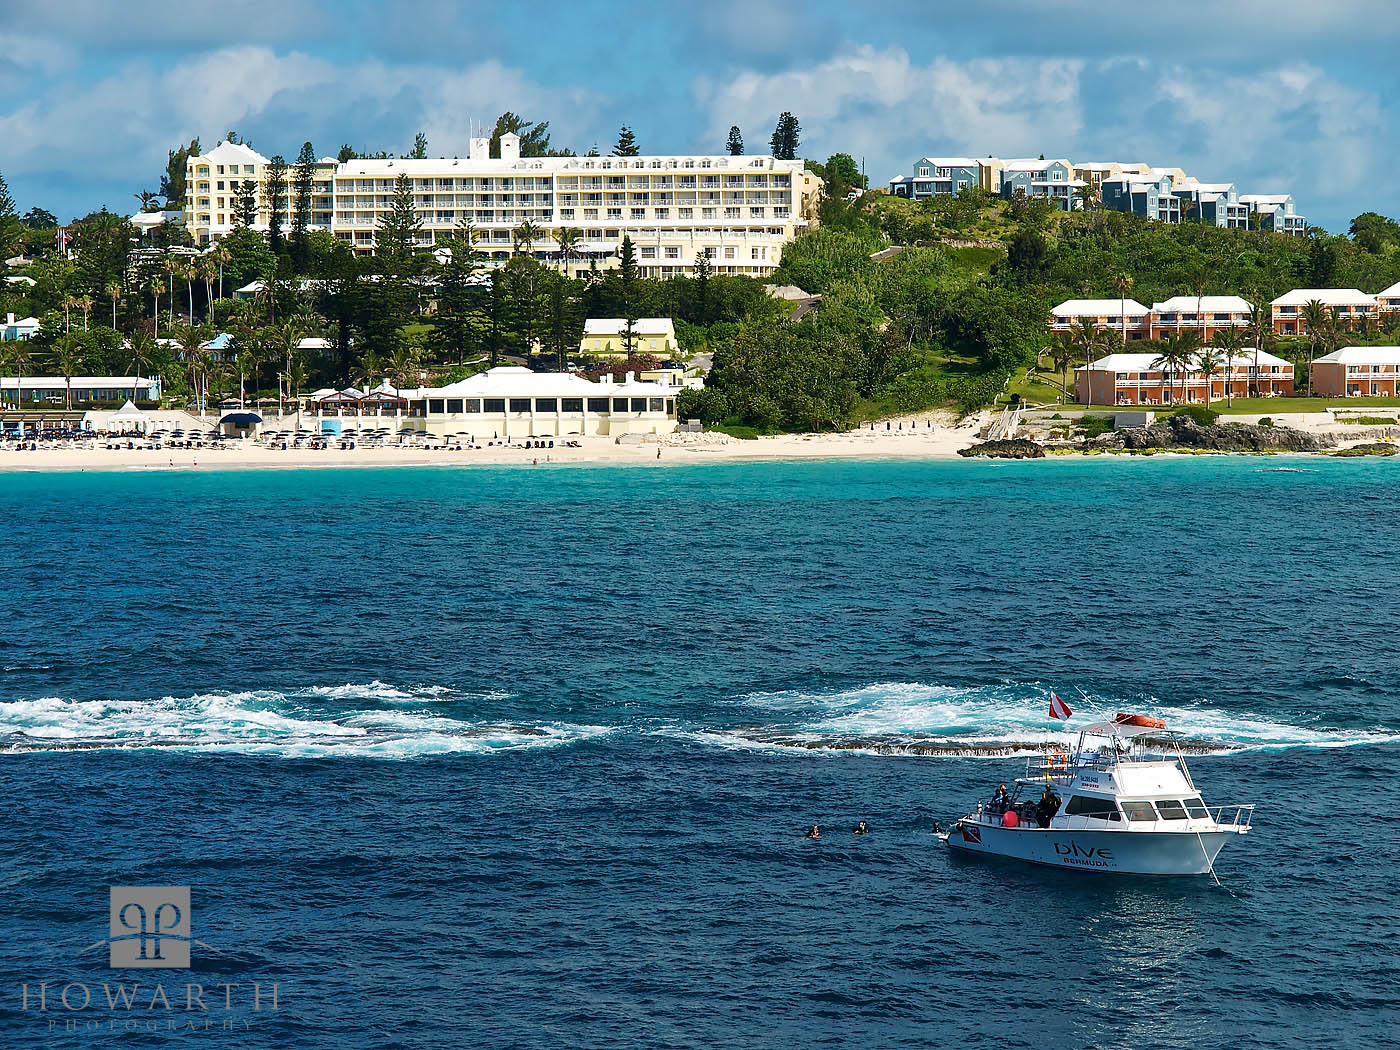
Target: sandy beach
<point x="922" y="437"/>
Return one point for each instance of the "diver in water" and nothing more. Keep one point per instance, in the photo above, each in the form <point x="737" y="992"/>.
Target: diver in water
<point x="815" y="832"/>
<point x="936" y="829"/>
<point x="860" y="829"/>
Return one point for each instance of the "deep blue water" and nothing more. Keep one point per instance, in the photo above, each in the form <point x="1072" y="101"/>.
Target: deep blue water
<point x="521" y="757"/>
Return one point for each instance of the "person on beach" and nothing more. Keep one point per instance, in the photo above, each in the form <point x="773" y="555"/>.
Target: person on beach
<point x="814" y="832"/>
<point x="658" y="453"/>
<point x="860" y="829"/>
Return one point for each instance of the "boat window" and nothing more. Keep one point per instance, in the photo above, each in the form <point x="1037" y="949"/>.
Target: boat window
<point x="1088" y="806"/>
<point x="1196" y="809"/>
<point x="1171" y="809"/>
<point x="1139" y="811"/>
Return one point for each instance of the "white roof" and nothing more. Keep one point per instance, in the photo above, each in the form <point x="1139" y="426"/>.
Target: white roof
<point x="25" y="322"/>
<point x="252" y="286"/>
<point x="1326" y="296"/>
<point x="21" y="279"/>
<point x="1265" y="198"/>
<point x="1363" y="355"/>
<point x="233" y="153"/>
<point x="1033" y="164"/>
<point x="128" y="411"/>
<point x="1100" y="308"/>
<point x="435" y="166"/>
<point x="1393" y="292"/>
<point x="1208" y="304"/>
<point x="641" y="326"/>
<point x="1144" y="362"/>
<point x="949" y="162"/>
<point x="514" y="381"/>
<point x="314" y="342"/>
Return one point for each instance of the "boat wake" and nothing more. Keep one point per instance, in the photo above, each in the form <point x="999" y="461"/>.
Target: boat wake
<point x="382" y="720"/>
<point x="374" y="720"/>
<point x="994" y="721"/>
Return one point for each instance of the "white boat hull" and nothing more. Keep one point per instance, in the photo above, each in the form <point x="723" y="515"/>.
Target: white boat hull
<point x="1118" y="852"/>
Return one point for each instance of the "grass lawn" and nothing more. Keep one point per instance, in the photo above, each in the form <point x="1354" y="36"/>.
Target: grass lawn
<point x="1268" y="406"/>
<point x="1038" y="388"/>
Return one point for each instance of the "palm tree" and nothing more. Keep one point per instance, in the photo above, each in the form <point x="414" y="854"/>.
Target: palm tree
<point x="296" y="379"/>
<point x="170" y="265"/>
<point x="245" y="364"/>
<point x="189" y="343"/>
<point x="142" y="346"/>
<point x="1062" y="351"/>
<point x="1086" y="338"/>
<point x="1260" y="332"/>
<point x="187" y="272"/>
<point x="19" y="354"/>
<point x="204" y="269"/>
<point x="371" y="365"/>
<point x="69" y="301"/>
<point x="404" y="362"/>
<point x="1177" y="355"/>
<point x="1315" y="319"/>
<point x="1230" y="341"/>
<point x="68" y="362"/>
<point x="525" y="235"/>
<point x="286" y="339"/>
<point x="1089" y="196"/>
<point x="1208" y="360"/>
<point x="114" y="293"/>
<point x="1123" y="284"/>
<point x="155" y="294"/>
<point x="570" y="246"/>
<point x="221" y="258"/>
<point x="1200" y="283"/>
<point x="85" y="304"/>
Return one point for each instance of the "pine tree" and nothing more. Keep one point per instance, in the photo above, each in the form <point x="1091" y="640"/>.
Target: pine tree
<point x="346" y="153"/>
<point x="245" y="204"/>
<point x="303" y="177"/>
<point x="397" y="236"/>
<point x="275" y="194"/>
<point x="9" y="224"/>
<point x="735" y="145"/>
<point x="420" y="147"/>
<point x="593" y="152"/>
<point x="703" y="270"/>
<point x="786" y="137"/>
<point x="627" y="275"/>
<point x="626" y="143"/>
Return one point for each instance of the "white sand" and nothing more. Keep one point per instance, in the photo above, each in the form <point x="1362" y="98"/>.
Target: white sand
<point x="916" y="439"/>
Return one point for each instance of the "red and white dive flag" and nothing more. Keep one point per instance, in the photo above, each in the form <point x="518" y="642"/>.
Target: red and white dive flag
<point x="1058" y="708"/>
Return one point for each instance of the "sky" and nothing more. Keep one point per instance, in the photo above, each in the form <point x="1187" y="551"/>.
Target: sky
<point x="1276" y="96"/>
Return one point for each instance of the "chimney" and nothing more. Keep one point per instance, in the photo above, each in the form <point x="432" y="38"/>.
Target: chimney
<point x="510" y="146"/>
<point x="9" y="318"/>
<point x="479" y="149"/>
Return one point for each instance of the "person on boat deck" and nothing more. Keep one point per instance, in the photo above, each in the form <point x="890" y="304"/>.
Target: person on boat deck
<point x="860" y="829"/>
<point x="1001" y="800"/>
<point x="814" y="832"/>
<point x="1046" y="808"/>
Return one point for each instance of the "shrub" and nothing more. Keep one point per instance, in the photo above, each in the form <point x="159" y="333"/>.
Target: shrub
<point x="1198" y="414"/>
<point x="1266" y="421"/>
<point x="1094" y="426"/>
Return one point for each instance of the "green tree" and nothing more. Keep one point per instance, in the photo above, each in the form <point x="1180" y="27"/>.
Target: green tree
<point x="420" y="147"/>
<point x="570" y="243"/>
<point x="626" y="143"/>
<point x="1230" y="342"/>
<point x="172" y="183"/>
<point x="786" y="137"/>
<point x="1209" y="360"/>
<point x="534" y="136"/>
<point x="702" y="270"/>
<point x="245" y="204"/>
<point x="397" y="237"/>
<point x="524" y="236"/>
<point x="9" y="224"/>
<point x="1063" y="352"/>
<point x="68" y="357"/>
<point x="1316" y="318"/>
<point x="735" y="145"/>
<point x="840" y="174"/>
<point x="1177" y="357"/>
<point x="275" y="196"/>
<point x="141" y="347"/>
<point x="303" y="180"/>
<point x="345" y="153"/>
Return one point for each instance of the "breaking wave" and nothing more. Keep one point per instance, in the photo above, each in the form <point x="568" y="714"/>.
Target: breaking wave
<point x="382" y="720"/>
<point x="915" y="718"/>
<point x="318" y="721"/>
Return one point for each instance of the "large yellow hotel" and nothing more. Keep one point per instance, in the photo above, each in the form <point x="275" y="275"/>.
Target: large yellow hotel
<point x="738" y="210"/>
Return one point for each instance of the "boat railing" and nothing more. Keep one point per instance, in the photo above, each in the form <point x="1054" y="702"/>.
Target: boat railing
<point x="1239" y="816"/>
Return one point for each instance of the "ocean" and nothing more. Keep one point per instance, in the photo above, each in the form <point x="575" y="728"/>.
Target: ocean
<point x="522" y="757"/>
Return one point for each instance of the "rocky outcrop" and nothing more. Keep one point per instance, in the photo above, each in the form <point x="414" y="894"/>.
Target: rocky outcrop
<point x="1179" y="432"/>
<point x="1374" y="449"/>
<point x="1015" y="448"/>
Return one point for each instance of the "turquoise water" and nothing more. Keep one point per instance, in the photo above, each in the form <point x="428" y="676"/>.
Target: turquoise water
<point x="521" y="757"/>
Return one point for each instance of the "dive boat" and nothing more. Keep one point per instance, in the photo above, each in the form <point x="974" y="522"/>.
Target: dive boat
<point x="1122" y="801"/>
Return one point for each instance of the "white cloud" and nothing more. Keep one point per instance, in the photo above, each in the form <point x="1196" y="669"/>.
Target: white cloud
<point x="880" y="104"/>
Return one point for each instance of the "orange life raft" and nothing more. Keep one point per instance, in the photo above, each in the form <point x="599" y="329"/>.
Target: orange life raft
<point x="1143" y="721"/>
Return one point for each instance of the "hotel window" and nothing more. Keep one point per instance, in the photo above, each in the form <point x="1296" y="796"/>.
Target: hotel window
<point x="639" y="404"/>
<point x="494" y="404"/>
<point x="597" y="404"/>
<point x="729" y="253"/>
<point x="473" y="404"/>
<point x="923" y="173"/>
<point x="520" y="404"/>
<point x="619" y="404"/>
<point x="435" y="406"/>
<point x="546" y="404"/>
<point x="673" y="253"/>
<point x="639" y="213"/>
<point x="615" y="213"/>
<point x="573" y="404"/>
<point x="648" y="252"/>
<point x="656" y="404"/>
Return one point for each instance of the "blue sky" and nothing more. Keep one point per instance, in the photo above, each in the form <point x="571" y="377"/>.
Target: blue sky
<point x="1274" y="95"/>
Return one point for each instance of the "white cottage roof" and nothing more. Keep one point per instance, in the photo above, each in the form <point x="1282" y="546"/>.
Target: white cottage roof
<point x="514" y="381"/>
<point x="615" y="326"/>
<point x="1326" y="296"/>
<point x="1099" y="308"/>
<point x="1363" y="355"/>
<point x="1208" y="304"/>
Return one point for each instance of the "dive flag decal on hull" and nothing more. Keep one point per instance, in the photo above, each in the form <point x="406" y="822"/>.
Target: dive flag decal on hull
<point x="971" y="834"/>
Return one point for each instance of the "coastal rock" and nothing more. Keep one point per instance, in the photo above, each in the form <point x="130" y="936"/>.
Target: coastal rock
<point x="1182" y="432"/>
<point x="1015" y="448"/>
<point x="1375" y="448"/>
